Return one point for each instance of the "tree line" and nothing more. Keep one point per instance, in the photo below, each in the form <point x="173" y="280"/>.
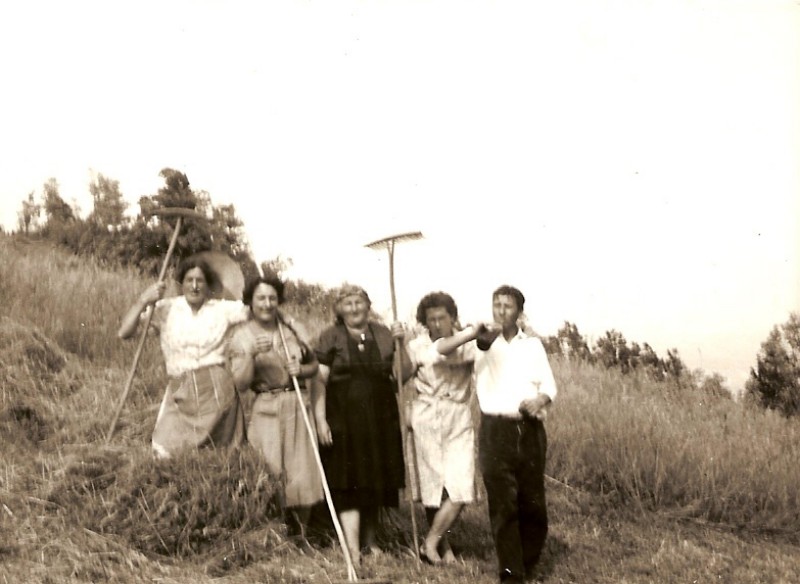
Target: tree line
<point x="612" y="351"/>
<point x="112" y="237"/>
<point x="773" y="383"/>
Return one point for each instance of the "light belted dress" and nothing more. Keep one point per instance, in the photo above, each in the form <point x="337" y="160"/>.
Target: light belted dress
<point x="201" y="406"/>
<point x="276" y="427"/>
<point x="441" y="419"/>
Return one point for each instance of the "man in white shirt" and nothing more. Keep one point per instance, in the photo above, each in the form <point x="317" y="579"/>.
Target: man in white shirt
<point x="515" y="386"/>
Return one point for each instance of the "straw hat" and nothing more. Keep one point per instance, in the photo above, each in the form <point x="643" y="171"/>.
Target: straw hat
<point x="229" y="281"/>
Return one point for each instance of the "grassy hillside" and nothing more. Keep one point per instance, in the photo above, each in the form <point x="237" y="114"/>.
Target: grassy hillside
<point x="647" y="483"/>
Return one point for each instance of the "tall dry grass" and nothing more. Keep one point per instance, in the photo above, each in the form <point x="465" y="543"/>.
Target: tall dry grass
<point x="633" y="442"/>
<point x="657" y="446"/>
<point x="78" y="303"/>
<point x="647" y="444"/>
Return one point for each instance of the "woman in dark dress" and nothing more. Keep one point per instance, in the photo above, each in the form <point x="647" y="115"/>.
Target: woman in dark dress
<point x="360" y="427"/>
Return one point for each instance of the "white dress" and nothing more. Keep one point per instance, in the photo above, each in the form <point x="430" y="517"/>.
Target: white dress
<point x="441" y="419"/>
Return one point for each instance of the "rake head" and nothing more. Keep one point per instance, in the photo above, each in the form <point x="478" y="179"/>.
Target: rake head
<point x="392" y="239"/>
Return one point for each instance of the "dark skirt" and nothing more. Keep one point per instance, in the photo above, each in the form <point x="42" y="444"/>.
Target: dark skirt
<point x="364" y="465"/>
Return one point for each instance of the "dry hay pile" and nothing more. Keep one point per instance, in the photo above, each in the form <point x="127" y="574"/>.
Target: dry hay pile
<point x="186" y="505"/>
<point x="28" y="359"/>
<point x="46" y="394"/>
<point x="103" y="512"/>
<point x="30" y="365"/>
<point x="48" y="397"/>
<point x="218" y="509"/>
<point x="58" y="482"/>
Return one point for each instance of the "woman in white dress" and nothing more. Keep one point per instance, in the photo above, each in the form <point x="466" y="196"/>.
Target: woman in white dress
<point x="201" y="406"/>
<point x="441" y="423"/>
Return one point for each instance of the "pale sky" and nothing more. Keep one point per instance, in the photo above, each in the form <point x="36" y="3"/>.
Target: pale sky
<point x="627" y="164"/>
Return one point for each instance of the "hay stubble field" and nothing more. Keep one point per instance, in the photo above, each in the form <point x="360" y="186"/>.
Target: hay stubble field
<point x="647" y="482"/>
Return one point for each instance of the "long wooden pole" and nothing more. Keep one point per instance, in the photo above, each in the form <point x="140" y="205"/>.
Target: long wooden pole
<point x="399" y="376"/>
<point x="351" y="571"/>
<point x="138" y="354"/>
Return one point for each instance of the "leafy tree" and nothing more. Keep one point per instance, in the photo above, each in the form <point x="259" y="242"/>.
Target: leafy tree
<point x="109" y="206"/>
<point x="714" y="386"/>
<point x="276" y="267"/>
<point x="222" y="230"/>
<point x="152" y="233"/>
<point x="28" y="215"/>
<point x="774" y="383"/>
<point x="60" y="226"/>
<point x="673" y="365"/>
<point x="227" y="230"/>
<point x="176" y="192"/>
<point x="648" y="360"/>
<point x="56" y="208"/>
<point x="571" y="338"/>
<point x="552" y="346"/>
<point x="142" y="242"/>
<point x="568" y="342"/>
<point x="612" y="351"/>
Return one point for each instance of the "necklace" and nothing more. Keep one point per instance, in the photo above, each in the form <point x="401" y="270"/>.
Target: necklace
<point x="361" y="337"/>
<point x="361" y="343"/>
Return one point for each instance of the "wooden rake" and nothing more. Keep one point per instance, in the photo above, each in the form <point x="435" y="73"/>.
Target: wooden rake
<point x="180" y="213"/>
<point x="389" y="243"/>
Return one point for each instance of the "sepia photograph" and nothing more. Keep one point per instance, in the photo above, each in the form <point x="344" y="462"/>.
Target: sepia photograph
<point x="392" y="291"/>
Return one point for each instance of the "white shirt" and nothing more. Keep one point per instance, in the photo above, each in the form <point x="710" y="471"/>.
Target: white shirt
<point x="442" y="376"/>
<point x="511" y="372"/>
<point x="190" y="341"/>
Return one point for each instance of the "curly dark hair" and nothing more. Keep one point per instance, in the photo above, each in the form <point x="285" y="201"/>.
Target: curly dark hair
<point x="506" y="290"/>
<point x="191" y="263"/>
<point x="274" y="281"/>
<point x="436" y="300"/>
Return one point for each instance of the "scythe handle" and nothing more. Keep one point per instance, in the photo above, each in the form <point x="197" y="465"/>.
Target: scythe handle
<point x="140" y="347"/>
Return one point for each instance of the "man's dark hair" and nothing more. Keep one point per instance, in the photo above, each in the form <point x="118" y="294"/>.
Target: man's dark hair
<point x="506" y="290"/>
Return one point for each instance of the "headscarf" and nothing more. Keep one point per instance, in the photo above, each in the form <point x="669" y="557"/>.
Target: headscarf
<point x="349" y="290"/>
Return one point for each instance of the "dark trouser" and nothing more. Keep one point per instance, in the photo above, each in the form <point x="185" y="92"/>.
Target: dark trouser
<point x="512" y="455"/>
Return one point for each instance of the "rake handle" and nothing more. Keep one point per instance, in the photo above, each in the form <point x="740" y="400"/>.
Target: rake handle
<point x="140" y="347"/>
<point x="398" y="365"/>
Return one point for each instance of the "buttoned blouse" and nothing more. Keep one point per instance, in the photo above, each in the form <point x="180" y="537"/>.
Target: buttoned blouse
<point x="192" y="340"/>
<point x="442" y="376"/>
